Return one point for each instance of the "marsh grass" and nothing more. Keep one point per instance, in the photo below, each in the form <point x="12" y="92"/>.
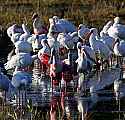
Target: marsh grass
<point x="92" y="12"/>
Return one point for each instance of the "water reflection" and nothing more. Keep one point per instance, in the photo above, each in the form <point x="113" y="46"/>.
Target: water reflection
<point x="65" y="105"/>
<point x="56" y="99"/>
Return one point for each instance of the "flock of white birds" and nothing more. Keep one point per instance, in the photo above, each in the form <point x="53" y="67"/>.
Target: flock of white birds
<point x="61" y="34"/>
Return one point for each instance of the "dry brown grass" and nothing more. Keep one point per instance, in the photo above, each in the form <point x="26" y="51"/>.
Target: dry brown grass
<point x="92" y="12"/>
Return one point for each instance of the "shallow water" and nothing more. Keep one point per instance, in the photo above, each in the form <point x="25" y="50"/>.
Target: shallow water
<point x="38" y="102"/>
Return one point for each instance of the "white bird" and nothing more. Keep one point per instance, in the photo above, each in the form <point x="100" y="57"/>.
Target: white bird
<point x="55" y="21"/>
<point x="107" y="26"/>
<point x="14" y="32"/>
<point x="107" y="40"/>
<point x="23" y="46"/>
<point x="83" y="31"/>
<point x="75" y="37"/>
<point x="117" y="30"/>
<point x="64" y="25"/>
<point x="98" y="45"/>
<point x="6" y="86"/>
<point x="21" y="79"/>
<point x="21" y="63"/>
<point x="15" y="37"/>
<point x="65" y="40"/>
<point x="5" y="83"/>
<point x="11" y="64"/>
<point x="119" y="48"/>
<point x="14" y="29"/>
<point x="20" y="60"/>
<point x="82" y="63"/>
<point x="10" y="30"/>
<point x="90" y="54"/>
<point x="26" y="33"/>
<point x="44" y="53"/>
<point x="52" y="40"/>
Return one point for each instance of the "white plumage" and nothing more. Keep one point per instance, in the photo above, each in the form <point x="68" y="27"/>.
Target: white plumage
<point x="107" y="26"/>
<point x="83" y="31"/>
<point x="21" y="78"/>
<point x="15" y="37"/>
<point x="11" y="64"/>
<point x="10" y="30"/>
<point x="63" y="25"/>
<point x="98" y="45"/>
<point x="23" y="46"/>
<point x="119" y="48"/>
<point x="36" y="40"/>
<point x="117" y="30"/>
<point x="45" y="50"/>
<point x="5" y="83"/>
<point x="65" y="40"/>
<point x="90" y="54"/>
<point x="26" y="33"/>
<point x="107" y="40"/>
<point x="82" y="63"/>
<point x="75" y="37"/>
<point x="20" y="60"/>
<point x="53" y="43"/>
